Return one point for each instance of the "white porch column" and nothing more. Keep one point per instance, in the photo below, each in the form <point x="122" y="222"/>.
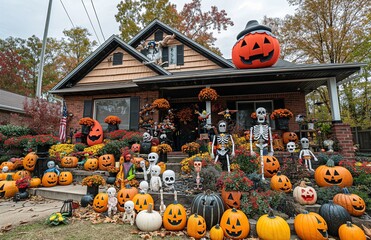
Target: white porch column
<point x="208" y="110"/>
<point x="334" y="99"/>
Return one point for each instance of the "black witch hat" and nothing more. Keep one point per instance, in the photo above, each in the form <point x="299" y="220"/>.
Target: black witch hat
<point x="251" y="26"/>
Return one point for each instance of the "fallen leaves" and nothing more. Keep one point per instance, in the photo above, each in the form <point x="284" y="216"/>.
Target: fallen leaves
<point x="6" y="228"/>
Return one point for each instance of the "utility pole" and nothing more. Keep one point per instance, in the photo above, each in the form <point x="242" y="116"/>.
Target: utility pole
<point x="40" y="76"/>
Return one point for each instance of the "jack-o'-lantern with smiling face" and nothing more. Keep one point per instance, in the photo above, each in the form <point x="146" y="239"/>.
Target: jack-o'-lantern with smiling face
<point x="95" y="135"/>
<point x="256" y="47"/>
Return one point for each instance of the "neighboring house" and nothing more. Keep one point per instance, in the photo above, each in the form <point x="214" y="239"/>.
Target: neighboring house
<point x="10" y="103"/>
<point x="120" y="78"/>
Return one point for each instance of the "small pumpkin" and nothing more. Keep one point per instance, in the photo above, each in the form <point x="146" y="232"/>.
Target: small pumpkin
<point x="175" y="217"/>
<point x="125" y="194"/>
<point x="105" y="161"/>
<point x="162" y="165"/>
<point x="335" y="216"/>
<point x="91" y="164"/>
<point x="216" y="233"/>
<point x="235" y="224"/>
<point x="141" y="201"/>
<point x="304" y="194"/>
<point x="29" y="161"/>
<point x="154" y="148"/>
<point x="95" y="135"/>
<point x="351" y="231"/>
<point x="65" y="178"/>
<point x="136" y="161"/>
<point x="135" y="148"/>
<point x="69" y="162"/>
<point x="289" y="137"/>
<point x="281" y="183"/>
<point x="271" y="166"/>
<point x="100" y="202"/>
<point x="148" y="220"/>
<point x="231" y="199"/>
<point x="310" y="226"/>
<point x="272" y="227"/>
<point x="353" y="203"/>
<point x="196" y="226"/>
<point x="21" y="174"/>
<point x="10" y="165"/>
<point x="35" y="182"/>
<point x="330" y="175"/>
<point x="8" y="188"/>
<point x="49" y="179"/>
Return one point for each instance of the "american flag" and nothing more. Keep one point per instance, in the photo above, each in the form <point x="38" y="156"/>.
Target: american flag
<point x="63" y="124"/>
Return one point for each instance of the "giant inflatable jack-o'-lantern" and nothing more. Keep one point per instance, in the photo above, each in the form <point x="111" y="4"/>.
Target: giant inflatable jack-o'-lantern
<point x="95" y="135"/>
<point x="256" y="47"/>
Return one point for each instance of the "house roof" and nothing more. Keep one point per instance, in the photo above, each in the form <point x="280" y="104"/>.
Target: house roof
<point x="11" y="102"/>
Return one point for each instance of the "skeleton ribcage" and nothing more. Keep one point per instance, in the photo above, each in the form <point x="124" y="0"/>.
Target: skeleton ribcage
<point x="260" y="132"/>
<point x="222" y="140"/>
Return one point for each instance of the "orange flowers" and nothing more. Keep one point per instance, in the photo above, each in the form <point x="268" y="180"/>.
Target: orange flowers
<point x="86" y="121"/>
<point x="93" y="180"/>
<point x="207" y="94"/>
<point x="161" y="103"/>
<point x="164" y="148"/>
<point x="112" y="120"/>
<point x="281" y="113"/>
<point x="253" y="115"/>
<point x="185" y="115"/>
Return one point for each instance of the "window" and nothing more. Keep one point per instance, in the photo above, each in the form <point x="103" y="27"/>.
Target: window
<point x="173" y="55"/>
<point x="115" y="106"/>
<point x="245" y="108"/>
<point x="117" y="58"/>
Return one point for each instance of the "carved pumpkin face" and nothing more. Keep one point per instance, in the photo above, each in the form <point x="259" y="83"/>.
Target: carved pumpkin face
<point x="289" y="137"/>
<point x="175" y="217"/>
<point x="21" y="174"/>
<point x="95" y="135"/>
<point x="231" y="199"/>
<point x="330" y="175"/>
<point x="69" y="162"/>
<point x="141" y="201"/>
<point x="310" y="225"/>
<point x="65" y="178"/>
<point x="135" y="148"/>
<point x="29" y="161"/>
<point x="10" y="165"/>
<point x="91" y="164"/>
<point x="255" y="50"/>
<point x="305" y="194"/>
<point x="105" y="161"/>
<point x="271" y="166"/>
<point x="235" y="224"/>
<point x="136" y="161"/>
<point x="125" y="194"/>
<point x="50" y="179"/>
<point x="281" y="183"/>
<point x="100" y="202"/>
<point x="353" y="203"/>
<point x="196" y="226"/>
<point x="8" y="188"/>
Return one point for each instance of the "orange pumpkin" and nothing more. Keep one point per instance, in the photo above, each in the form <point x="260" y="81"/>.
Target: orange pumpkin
<point x="8" y="188"/>
<point x="125" y="194"/>
<point x="235" y="224"/>
<point x="353" y="203"/>
<point x="49" y="179"/>
<point x="17" y="162"/>
<point x="21" y="174"/>
<point x="135" y="148"/>
<point x="351" y="231"/>
<point x="100" y="203"/>
<point x="141" y="201"/>
<point x="196" y="226"/>
<point x="29" y="161"/>
<point x="175" y="217"/>
<point x="95" y="135"/>
<point x="231" y="199"/>
<point x="289" y="137"/>
<point x="65" y="178"/>
<point x="69" y="162"/>
<point x="162" y="165"/>
<point x="91" y="164"/>
<point x="10" y="165"/>
<point x="255" y="49"/>
<point x="35" y="182"/>
<point x="331" y="175"/>
<point x="216" y="233"/>
<point x="280" y="182"/>
<point x="310" y="226"/>
<point x="271" y="166"/>
<point x="136" y="161"/>
<point x="105" y="161"/>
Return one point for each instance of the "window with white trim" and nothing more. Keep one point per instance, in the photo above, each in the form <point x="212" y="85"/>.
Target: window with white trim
<point x="119" y="107"/>
<point x="246" y="108"/>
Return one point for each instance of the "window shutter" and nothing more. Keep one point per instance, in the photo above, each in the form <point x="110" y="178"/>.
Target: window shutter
<point x="88" y="108"/>
<point x="117" y="58"/>
<point x="134" y="113"/>
<point x="165" y="56"/>
<point x="180" y="55"/>
<point x="159" y="35"/>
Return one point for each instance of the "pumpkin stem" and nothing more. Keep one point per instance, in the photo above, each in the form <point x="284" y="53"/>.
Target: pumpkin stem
<point x="349" y="224"/>
<point x="330" y="163"/>
<point x="9" y="177"/>
<point x="217" y="226"/>
<point x="150" y="208"/>
<point x="234" y="210"/>
<point x="128" y="186"/>
<point x="208" y="191"/>
<point x="302" y="184"/>
<point x="305" y="212"/>
<point x="346" y="191"/>
<point x="270" y="213"/>
<point x="279" y="173"/>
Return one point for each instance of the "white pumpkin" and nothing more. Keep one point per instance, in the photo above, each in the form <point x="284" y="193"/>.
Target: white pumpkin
<point x="148" y="220"/>
<point x="304" y="194"/>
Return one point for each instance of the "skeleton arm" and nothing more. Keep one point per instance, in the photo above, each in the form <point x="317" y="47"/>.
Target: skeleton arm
<point x="314" y="157"/>
<point x="251" y="132"/>
<point x="270" y="141"/>
<point x="233" y="153"/>
<point x="212" y="147"/>
<point x="300" y="154"/>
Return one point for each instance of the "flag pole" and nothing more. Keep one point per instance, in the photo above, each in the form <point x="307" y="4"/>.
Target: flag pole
<point x="40" y="75"/>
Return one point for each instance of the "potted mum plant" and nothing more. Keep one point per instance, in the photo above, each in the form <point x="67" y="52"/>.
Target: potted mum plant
<point x="191" y="148"/>
<point x="22" y="184"/>
<point x="162" y="150"/>
<point x="282" y="117"/>
<point x="86" y="123"/>
<point x="113" y="123"/>
<point x="93" y="182"/>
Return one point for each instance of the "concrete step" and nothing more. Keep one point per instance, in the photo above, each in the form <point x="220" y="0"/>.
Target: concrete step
<point x="74" y="192"/>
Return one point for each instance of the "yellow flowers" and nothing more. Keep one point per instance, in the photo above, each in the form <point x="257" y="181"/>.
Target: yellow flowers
<point x="207" y="94"/>
<point x="187" y="163"/>
<point x="61" y="150"/>
<point x="94" y="149"/>
<point x="93" y="180"/>
<point x="192" y="147"/>
<point x="57" y="218"/>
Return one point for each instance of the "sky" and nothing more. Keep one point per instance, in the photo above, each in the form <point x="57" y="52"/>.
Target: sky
<point x="24" y="18"/>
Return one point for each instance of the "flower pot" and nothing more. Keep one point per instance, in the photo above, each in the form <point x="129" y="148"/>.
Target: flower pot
<point x="78" y="140"/>
<point x="282" y="123"/>
<point x="162" y="157"/>
<point x="112" y="127"/>
<point x="92" y="190"/>
<point x="85" y="129"/>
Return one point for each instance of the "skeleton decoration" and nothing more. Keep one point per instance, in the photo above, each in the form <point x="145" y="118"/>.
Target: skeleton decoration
<point x="222" y="139"/>
<point x="164" y="138"/>
<point x="129" y="214"/>
<point x="52" y="168"/>
<point x="152" y="159"/>
<point x="147" y="137"/>
<point x="146" y="144"/>
<point x="168" y="177"/>
<point x="198" y="165"/>
<point x="5" y="169"/>
<point x="329" y="144"/>
<point x="153" y="50"/>
<point x="112" y="201"/>
<point x="306" y="154"/>
<point x="155" y="183"/>
<point x="162" y="204"/>
<point x="227" y="113"/>
<point x="202" y="117"/>
<point x="262" y="134"/>
<point x="291" y="146"/>
<point x="143" y="166"/>
<point x="144" y="186"/>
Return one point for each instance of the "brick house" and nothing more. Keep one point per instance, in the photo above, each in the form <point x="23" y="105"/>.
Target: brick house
<point x="120" y="78"/>
<point x="11" y="103"/>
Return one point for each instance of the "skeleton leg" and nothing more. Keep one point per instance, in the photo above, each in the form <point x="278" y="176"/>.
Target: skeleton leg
<point x="216" y="158"/>
<point x="310" y="165"/>
<point x="262" y="162"/>
<point x="228" y="165"/>
<point x="306" y="164"/>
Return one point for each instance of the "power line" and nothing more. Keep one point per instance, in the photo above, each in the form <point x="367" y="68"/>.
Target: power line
<point x="100" y="27"/>
<point x="90" y="21"/>
<point x="73" y="25"/>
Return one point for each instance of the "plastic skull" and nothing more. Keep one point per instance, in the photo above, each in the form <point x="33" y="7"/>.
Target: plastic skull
<point x="152" y="158"/>
<point x="5" y="169"/>
<point x="144" y="186"/>
<point x="51" y="164"/>
<point x="222" y="126"/>
<point x="147" y="137"/>
<point x="163" y="137"/>
<point x="291" y="147"/>
<point x="197" y="165"/>
<point x="111" y="192"/>
<point x="304" y="143"/>
<point x="129" y="206"/>
<point x="142" y="164"/>
<point x="155" y="171"/>
<point x="261" y="114"/>
<point x="168" y="177"/>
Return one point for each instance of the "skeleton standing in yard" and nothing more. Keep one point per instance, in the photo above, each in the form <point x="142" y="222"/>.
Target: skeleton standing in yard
<point x="262" y="134"/>
<point x="306" y="154"/>
<point x="223" y="139"/>
<point x="129" y="214"/>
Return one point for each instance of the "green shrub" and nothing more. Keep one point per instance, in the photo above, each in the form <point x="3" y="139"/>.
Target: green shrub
<point x="324" y="194"/>
<point x="14" y="131"/>
<point x="113" y="147"/>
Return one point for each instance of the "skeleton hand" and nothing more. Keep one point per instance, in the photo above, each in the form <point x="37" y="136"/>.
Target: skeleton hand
<point x="233" y="154"/>
<point x="270" y="154"/>
<point x="253" y="154"/>
<point x="212" y="156"/>
<point x="315" y="159"/>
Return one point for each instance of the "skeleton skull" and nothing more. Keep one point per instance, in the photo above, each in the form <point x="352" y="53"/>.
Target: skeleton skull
<point x="152" y="158"/>
<point x="129" y="206"/>
<point x="155" y="171"/>
<point x="51" y="164"/>
<point x="261" y="114"/>
<point x="147" y="137"/>
<point x="197" y="165"/>
<point x="222" y="126"/>
<point x="163" y="138"/>
<point x="168" y="177"/>
<point x="144" y="186"/>
<point x="304" y="143"/>
<point x="5" y="169"/>
<point x="291" y="147"/>
<point x="111" y="192"/>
